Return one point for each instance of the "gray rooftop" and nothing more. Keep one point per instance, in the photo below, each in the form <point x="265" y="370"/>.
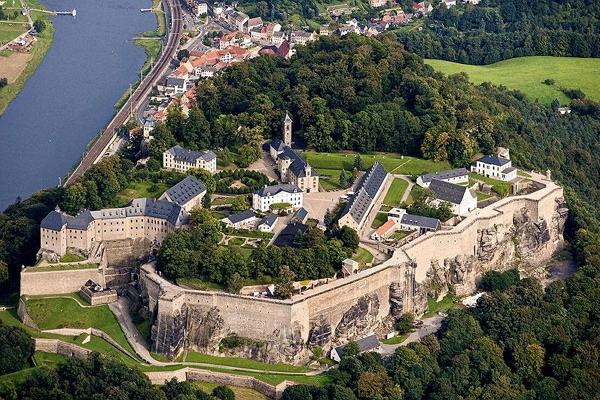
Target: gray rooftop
<point x="364" y="194"/>
<point x="241" y="216"/>
<point x="81" y="221"/>
<point x="447" y="191"/>
<point x="364" y="344"/>
<point x="55" y="220"/>
<point x="494" y="160"/>
<point x="190" y="156"/>
<point x="186" y="190"/>
<point x="273" y="190"/>
<point x="443" y="175"/>
<point x="300" y="214"/>
<point x="420" y="221"/>
<point x="269" y="220"/>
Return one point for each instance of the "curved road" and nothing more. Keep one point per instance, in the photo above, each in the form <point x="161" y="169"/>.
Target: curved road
<point x="102" y="142"/>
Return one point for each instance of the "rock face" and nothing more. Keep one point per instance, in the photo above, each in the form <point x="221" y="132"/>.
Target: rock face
<point x="359" y="317"/>
<point x="205" y="329"/>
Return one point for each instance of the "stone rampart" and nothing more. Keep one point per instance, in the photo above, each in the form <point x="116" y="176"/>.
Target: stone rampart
<point x="523" y="228"/>
<point x="58" y="282"/>
<point x="219" y="378"/>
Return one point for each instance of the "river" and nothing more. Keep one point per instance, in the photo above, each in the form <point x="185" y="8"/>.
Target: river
<point x="71" y="96"/>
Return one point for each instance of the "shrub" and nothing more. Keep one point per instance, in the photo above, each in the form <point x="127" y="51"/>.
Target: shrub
<point x="223" y="393"/>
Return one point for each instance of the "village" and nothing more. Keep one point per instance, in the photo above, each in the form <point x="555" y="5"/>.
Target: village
<point x="227" y="36"/>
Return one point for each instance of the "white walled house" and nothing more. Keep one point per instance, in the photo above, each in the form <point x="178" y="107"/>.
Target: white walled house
<point x="188" y="193"/>
<point x="181" y="160"/>
<point x="461" y="200"/>
<point x="495" y="167"/>
<point x="242" y="220"/>
<point x="269" y="195"/>
<point x="457" y="176"/>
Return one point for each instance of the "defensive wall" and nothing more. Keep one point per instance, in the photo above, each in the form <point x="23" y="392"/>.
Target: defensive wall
<point x="58" y="346"/>
<point x="58" y="282"/>
<point x="348" y="307"/>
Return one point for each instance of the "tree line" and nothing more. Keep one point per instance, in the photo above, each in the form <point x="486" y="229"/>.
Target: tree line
<point x="498" y="30"/>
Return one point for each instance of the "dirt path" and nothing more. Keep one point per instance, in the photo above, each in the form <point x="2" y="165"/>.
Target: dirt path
<point x="12" y="66"/>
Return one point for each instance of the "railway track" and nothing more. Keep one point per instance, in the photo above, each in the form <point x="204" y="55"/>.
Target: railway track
<point x="102" y="142"/>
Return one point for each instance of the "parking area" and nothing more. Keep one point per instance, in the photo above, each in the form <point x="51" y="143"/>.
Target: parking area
<point x="317" y="203"/>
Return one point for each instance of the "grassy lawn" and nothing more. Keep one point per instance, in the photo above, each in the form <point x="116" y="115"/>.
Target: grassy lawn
<point x="527" y="74"/>
<point x="9" y="92"/>
<point x="240" y="392"/>
<point x="249" y="234"/>
<point x="236" y="241"/>
<point x="68" y="258"/>
<point x="483" y="196"/>
<point x="379" y="220"/>
<point x="523" y="174"/>
<point x="498" y="186"/>
<point x="394" y="194"/>
<point x="142" y="189"/>
<point x="199" y="284"/>
<point x="49" y="359"/>
<point x="61" y="267"/>
<point x="55" y="313"/>
<point x="363" y="256"/>
<point x="330" y="178"/>
<point x="241" y="363"/>
<point x="399" y="235"/>
<point x="224" y="200"/>
<point x="433" y="307"/>
<point x="405" y="165"/>
<point x="395" y="340"/>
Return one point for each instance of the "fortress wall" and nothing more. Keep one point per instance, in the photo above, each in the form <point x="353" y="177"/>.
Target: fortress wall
<point x="463" y="238"/>
<point x="58" y="282"/>
<point x="271" y="320"/>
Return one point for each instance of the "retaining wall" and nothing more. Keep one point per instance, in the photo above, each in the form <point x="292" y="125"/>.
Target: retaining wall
<point x="58" y="282"/>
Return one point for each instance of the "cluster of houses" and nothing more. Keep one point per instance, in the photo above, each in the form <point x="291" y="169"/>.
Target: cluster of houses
<point x="450" y="187"/>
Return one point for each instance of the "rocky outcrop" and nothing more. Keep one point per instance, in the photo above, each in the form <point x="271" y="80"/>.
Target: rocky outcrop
<point x="358" y="318"/>
<point x="320" y="333"/>
<point x="168" y="333"/>
<point x="205" y="329"/>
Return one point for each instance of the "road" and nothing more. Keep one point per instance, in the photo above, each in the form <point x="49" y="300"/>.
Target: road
<point x="430" y="325"/>
<point x="98" y="147"/>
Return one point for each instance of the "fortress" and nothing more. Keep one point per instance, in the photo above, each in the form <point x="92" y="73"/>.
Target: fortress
<point x="519" y="230"/>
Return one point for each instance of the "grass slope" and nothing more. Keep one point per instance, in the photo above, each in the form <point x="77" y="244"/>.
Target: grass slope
<point x="242" y="363"/>
<point x="527" y="74"/>
<point x="59" y="312"/>
<point x="395" y="193"/>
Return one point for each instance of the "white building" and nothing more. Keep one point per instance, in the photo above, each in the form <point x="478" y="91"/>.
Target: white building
<point x="265" y="197"/>
<point x="267" y="223"/>
<point x="201" y="9"/>
<point x="457" y="176"/>
<point x="242" y="220"/>
<point x="495" y="167"/>
<point x="461" y="200"/>
<point x="181" y="160"/>
<point x="149" y="125"/>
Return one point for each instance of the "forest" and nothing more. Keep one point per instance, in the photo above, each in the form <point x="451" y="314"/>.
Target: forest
<point x="496" y="30"/>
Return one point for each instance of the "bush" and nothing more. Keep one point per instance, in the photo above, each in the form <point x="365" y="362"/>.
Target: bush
<point x="16" y="348"/>
<point x="3" y="82"/>
<point x="404" y="323"/>
<point x="494" y="281"/>
<point x="549" y="82"/>
<point x="223" y="393"/>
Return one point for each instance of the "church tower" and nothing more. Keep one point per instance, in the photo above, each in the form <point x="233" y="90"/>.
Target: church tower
<point x="287" y="130"/>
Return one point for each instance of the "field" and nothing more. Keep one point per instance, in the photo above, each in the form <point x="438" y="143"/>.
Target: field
<point x="240" y="392"/>
<point x="394" y="194"/>
<point x="527" y="74"/>
<point x="380" y="219"/>
<point x="363" y="256"/>
<point x="142" y="189"/>
<point x="241" y="363"/>
<point x="433" y="307"/>
<point x="60" y="312"/>
<point x="9" y="92"/>
<point x="394" y="163"/>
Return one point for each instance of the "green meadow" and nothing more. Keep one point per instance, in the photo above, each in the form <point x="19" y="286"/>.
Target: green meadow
<point x="528" y="73"/>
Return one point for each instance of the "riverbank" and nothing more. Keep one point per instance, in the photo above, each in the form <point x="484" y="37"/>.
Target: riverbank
<point x="38" y="52"/>
<point x="152" y="46"/>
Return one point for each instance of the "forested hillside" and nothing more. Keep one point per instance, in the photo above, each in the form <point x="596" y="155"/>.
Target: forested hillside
<point x="498" y="30"/>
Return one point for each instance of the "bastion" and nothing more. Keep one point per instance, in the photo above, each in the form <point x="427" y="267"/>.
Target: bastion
<point x="520" y="230"/>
